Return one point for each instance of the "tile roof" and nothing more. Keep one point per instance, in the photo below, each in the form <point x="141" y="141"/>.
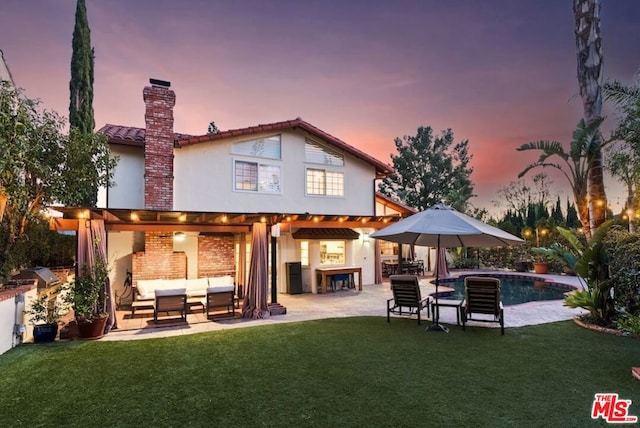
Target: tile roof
<point x="129" y="135"/>
<point x="135" y="137"/>
<point x="395" y="204"/>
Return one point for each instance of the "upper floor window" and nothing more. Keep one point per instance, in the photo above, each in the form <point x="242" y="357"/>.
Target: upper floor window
<point x="325" y="183"/>
<point x="256" y="177"/>
<point x="317" y="153"/>
<point x="268" y="148"/>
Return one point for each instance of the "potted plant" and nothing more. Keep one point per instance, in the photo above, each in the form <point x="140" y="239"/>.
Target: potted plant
<point x="85" y="297"/>
<point x="45" y="316"/>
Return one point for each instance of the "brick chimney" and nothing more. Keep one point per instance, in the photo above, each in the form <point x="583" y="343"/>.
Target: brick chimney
<point x="158" y="145"/>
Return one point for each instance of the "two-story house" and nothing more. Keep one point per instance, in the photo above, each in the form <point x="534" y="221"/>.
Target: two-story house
<point x="183" y="206"/>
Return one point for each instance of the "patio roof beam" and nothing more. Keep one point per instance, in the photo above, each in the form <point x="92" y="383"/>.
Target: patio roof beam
<point x="150" y="227"/>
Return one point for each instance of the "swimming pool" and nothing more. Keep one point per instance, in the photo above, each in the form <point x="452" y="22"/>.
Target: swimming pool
<point x="514" y="290"/>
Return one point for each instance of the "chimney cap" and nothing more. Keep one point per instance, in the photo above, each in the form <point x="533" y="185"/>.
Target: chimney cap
<point x="158" y="82"/>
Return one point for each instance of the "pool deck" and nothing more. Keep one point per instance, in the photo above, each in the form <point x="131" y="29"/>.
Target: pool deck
<point x="371" y="301"/>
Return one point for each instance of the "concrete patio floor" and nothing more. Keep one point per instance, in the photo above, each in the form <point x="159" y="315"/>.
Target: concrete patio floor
<point x="371" y="301"/>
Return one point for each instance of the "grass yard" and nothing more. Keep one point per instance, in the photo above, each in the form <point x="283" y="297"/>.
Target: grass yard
<point x="352" y="372"/>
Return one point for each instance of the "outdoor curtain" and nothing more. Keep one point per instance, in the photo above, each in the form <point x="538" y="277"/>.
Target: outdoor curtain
<point x="92" y="243"/>
<point x="255" y="300"/>
<point x="443" y="269"/>
<point x="378" y="262"/>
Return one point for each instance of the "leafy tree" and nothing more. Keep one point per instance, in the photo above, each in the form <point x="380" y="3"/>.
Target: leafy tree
<point x="430" y="170"/>
<point x="556" y="213"/>
<point x="34" y="161"/>
<point x="87" y="166"/>
<point x="84" y="147"/>
<point x="527" y="200"/>
<point x="625" y="165"/>
<point x="574" y="165"/>
<point x="589" y="58"/>
<point x="573" y="221"/>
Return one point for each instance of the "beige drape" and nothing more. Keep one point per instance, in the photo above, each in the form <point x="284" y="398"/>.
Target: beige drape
<point x="255" y="300"/>
<point x="92" y="243"/>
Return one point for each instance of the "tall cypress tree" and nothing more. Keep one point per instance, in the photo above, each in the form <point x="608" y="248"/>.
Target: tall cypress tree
<point x="87" y="153"/>
<point x="81" y="84"/>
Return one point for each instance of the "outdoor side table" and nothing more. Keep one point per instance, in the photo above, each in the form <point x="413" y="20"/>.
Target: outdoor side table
<point x="446" y="303"/>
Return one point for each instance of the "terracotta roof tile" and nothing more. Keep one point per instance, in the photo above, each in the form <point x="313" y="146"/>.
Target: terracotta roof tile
<point x="129" y="135"/>
<point x="399" y="206"/>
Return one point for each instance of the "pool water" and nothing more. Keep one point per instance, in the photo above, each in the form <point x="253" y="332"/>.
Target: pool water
<point x="513" y="290"/>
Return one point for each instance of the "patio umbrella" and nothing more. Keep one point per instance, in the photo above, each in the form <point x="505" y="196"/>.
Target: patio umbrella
<point x="255" y="300"/>
<point x="443" y="227"/>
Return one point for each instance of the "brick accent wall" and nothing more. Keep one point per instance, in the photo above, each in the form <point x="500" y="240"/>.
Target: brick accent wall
<point x="158" y="147"/>
<point x="158" y="259"/>
<point x="216" y="255"/>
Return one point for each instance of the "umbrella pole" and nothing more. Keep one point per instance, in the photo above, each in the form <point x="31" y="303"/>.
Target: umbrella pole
<point x="436" y="326"/>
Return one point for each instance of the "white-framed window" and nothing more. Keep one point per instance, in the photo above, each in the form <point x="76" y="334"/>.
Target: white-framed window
<point x="333" y="252"/>
<point x="267" y="148"/>
<point x="256" y="177"/>
<point x="321" y="182"/>
<point x="317" y="153"/>
<point x="304" y="253"/>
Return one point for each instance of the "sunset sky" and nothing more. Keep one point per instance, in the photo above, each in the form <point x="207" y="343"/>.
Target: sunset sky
<point x="500" y="73"/>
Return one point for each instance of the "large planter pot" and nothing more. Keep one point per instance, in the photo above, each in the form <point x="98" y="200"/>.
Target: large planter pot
<point x="43" y="333"/>
<point x="540" y="267"/>
<point x="91" y="329"/>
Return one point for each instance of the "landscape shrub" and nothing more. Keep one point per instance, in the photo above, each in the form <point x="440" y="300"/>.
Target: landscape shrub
<point x="623" y="257"/>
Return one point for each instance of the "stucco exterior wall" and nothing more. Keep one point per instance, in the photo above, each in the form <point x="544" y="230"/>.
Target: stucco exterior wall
<point x="12" y="307"/>
<point x="204" y="181"/>
<point x="359" y="253"/>
<point x="128" y="177"/>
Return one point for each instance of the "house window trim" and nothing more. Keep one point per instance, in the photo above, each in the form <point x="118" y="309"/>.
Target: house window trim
<point x="325" y="171"/>
<point x="253" y="156"/>
<point x="257" y="162"/>
<point x="327" y="150"/>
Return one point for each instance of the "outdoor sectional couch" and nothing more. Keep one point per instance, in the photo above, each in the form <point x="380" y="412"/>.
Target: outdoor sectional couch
<point x="196" y="290"/>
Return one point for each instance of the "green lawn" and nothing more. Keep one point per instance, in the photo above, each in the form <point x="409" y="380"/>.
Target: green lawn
<point x="352" y="372"/>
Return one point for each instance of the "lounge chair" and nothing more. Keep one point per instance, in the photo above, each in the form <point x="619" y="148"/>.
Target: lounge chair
<point x="221" y="298"/>
<point x="407" y="296"/>
<point x="482" y="296"/>
<point x="171" y="300"/>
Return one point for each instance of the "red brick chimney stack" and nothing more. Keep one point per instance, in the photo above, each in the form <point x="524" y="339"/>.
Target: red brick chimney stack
<point x="158" y="145"/>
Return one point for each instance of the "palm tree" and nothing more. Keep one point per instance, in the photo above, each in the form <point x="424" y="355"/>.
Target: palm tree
<point x="624" y="161"/>
<point x="622" y="94"/>
<point x="589" y="52"/>
<point x="573" y="164"/>
<point x="627" y="99"/>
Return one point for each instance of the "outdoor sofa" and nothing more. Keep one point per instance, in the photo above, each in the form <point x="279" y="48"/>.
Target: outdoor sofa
<point x="195" y="289"/>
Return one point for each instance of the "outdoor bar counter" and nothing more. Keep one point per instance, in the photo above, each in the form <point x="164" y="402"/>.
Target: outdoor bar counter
<point x="325" y="272"/>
